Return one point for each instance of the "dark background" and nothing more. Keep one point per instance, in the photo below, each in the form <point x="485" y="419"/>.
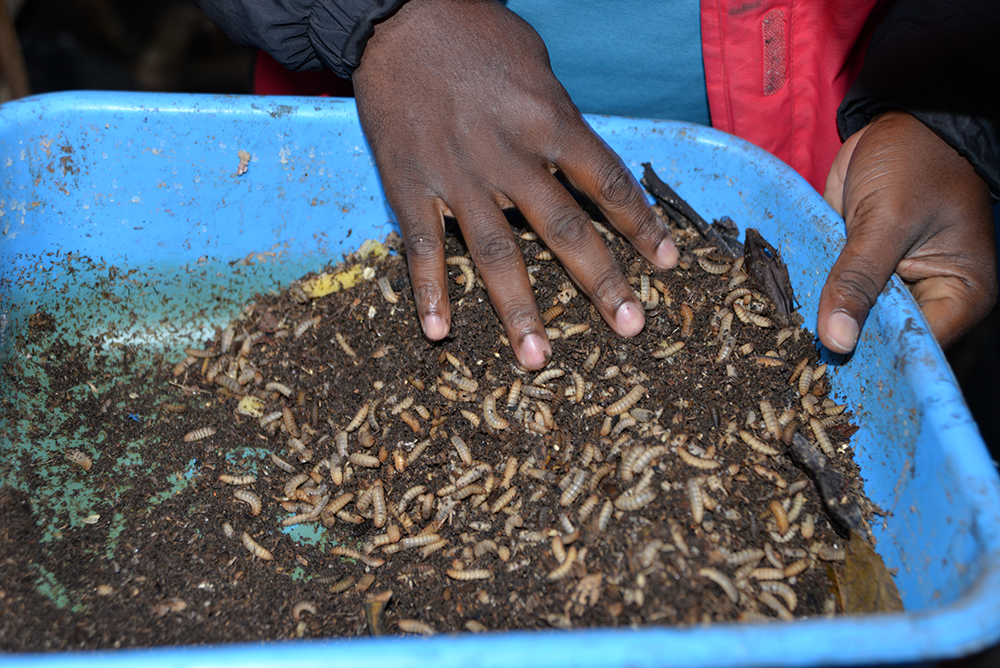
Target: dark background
<point x="168" y="45"/>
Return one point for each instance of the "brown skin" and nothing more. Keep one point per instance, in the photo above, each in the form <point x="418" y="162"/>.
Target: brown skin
<point x="464" y="116"/>
<point x="912" y="205"/>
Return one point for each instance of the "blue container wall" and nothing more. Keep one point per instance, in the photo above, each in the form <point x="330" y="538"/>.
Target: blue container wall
<point x="122" y="215"/>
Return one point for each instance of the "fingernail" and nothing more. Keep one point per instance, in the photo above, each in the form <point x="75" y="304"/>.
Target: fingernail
<point x="667" y="254"/>
<point x="435" y="327"/>
<point x="629" y="319"/>
<point x="534" y="351"/>
<point x="842" y="330"/>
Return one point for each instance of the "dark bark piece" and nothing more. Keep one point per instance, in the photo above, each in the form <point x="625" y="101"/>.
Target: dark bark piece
<point x="765" y="267"/>
<point x="833" y="487"/>
<point x="675" y="207"/>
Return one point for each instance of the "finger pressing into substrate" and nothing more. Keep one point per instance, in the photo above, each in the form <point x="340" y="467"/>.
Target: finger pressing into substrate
<point x="497" y="256"/>
<point x="857" y="278"/>
<point x="600" y="174"/>
<point x="568" y="232"/>
<point x="423" y="236"/>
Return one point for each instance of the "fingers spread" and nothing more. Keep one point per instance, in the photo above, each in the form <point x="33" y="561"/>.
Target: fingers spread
<point x="568" y="232"/>
<point x="601" y="175"/>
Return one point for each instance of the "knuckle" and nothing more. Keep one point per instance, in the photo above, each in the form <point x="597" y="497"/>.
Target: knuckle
<point x="496" y="250"/>
<point x="649" y="228"/>
<point x="429" y="297"/>
<point x="607" y="289"/>
<point x="615" y="185"/>
<point x="858" y="288"/>
<point x="520" y="319"/>
<point x="422" y="245"/>
<point x="568" y="229"/>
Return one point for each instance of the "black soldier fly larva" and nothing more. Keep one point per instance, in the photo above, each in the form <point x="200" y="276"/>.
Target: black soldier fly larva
<point x="199" y="434"/>
<point x="79" y="458"/>
<point x="514" y="395"/>
<point x="768" y="599"/>
<point x="237" y="479"/>
<point x="462" y="449"/>
<point x="358" y="418"/>
<point x="696" y="462"/>
<point x="503" y="500"/>
<point x="184" y="365"/>
<point x="344" y="345"/>
<point x="255" y="548"/>
<point x="288" y="421"/>
<point x="378" y="505"/>
<point x="565" y="567"/>
<point x="631" y="500"/>
<point x="281" y="388"/>
<point x="821" y="437"/>
<point x="757" y="444"/>
<point x="387" y="292"/>
<point x="229" y="383"/>
<point x="350" y="553"/>
<point x="490" y="414"/>
<point x="415" y="626"/>
<point x="628" y="401"/>
<point x="723" y="581"/>
<point x="411" y="542"/>
<point x="687" y="320"/>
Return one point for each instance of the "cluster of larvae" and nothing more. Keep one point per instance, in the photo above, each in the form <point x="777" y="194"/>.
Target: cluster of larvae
<point x="588" y="473"/>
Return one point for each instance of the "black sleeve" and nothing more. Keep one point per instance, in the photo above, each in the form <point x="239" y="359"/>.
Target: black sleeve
<point x="303" y="34"/>
<point x="937" y="60"/>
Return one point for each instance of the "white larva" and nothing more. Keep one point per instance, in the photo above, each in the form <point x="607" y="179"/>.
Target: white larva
<point x="635" y="500"/>
<point x="388" y="293"/>
<point x="358" y="418"/>
<point x="255" y="548"/>
<point x="723" y="581"/>
<point x="626" y="402"/>
<point x="757" y="444"/>
<point x="696" y="499"/>
<point x="462" y="449"/>
<point x="564" y="569"/>
<point x="250" y="499"/>
<point x="574" y="489"/>
<point x="490" y="414"/>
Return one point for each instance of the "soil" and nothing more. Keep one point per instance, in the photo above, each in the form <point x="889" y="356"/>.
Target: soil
<point x="177" y="574"/>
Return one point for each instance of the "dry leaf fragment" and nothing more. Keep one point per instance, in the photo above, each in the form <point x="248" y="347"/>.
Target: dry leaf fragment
<point x="864" y="584"/>
<point x="374" y="612"/>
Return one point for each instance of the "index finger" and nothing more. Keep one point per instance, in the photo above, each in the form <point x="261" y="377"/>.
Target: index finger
<point x="600" y="174"/>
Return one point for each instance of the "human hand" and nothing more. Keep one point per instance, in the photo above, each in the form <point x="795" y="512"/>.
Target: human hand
<point x="912" y="205"/>
<point x="464" y="116"/>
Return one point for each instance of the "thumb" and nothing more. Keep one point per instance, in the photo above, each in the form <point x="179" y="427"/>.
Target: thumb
<point x="865" y="265"/>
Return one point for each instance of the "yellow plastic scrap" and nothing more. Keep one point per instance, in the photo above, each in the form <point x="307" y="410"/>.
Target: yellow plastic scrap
<point x="373" y="247"/>
<point x="250" y="406"/>
<point x="325" y="284"/>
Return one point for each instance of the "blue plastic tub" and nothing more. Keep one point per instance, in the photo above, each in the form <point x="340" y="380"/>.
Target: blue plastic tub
<point x="123" y="217"/>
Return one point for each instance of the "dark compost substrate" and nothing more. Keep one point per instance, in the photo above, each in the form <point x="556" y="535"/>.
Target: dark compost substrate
<point x="637" y="485"/>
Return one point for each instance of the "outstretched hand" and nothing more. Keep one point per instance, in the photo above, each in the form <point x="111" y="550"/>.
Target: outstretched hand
<point x="464" y="116"/>
<point x="912" y="205"/>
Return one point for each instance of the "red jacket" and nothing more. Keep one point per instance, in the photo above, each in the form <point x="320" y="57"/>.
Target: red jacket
<point x="776" y="71"/>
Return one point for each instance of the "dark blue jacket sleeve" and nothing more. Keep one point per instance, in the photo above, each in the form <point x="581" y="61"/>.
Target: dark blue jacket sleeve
<point x="303" y="34"/>
<point x="937" y="60"/>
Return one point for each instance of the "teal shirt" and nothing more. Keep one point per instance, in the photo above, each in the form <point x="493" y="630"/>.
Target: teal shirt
<point x="639" y="58"/>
